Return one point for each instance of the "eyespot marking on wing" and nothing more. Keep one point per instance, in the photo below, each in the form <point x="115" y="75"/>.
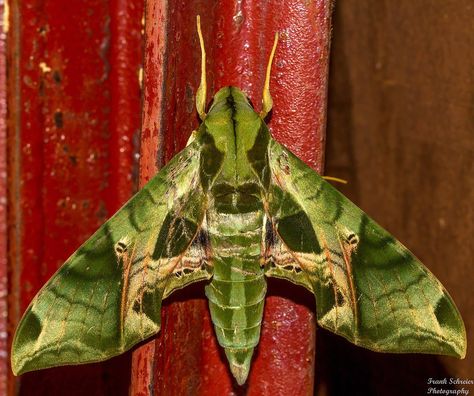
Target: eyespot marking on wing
<point x="121" y="247"/>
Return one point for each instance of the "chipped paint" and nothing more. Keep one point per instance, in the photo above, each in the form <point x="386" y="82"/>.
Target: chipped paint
<point x="44" y="67"/>
<point x="6" y="16"/>
<point x="140" y="76"/>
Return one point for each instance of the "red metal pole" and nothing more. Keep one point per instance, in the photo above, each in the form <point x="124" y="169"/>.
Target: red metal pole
<point x="185" y="358"/>
<point x="4" y="363"/>
<point x="74" y="111"/>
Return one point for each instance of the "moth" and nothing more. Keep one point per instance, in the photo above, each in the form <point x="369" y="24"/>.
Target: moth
<point x="233" y="208"/>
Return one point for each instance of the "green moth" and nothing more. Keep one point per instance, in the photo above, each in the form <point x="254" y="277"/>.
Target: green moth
<point x="232" y="208"/>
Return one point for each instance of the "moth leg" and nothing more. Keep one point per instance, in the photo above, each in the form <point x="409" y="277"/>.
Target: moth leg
<point x="202" y="90"/>
<point x="267" y="101"/>
<point x="334" y="179"/>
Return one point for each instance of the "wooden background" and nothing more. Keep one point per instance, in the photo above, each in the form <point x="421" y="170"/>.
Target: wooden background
<point x="401" y="131"/>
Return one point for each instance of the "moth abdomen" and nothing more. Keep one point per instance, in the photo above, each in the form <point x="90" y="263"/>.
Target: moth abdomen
<point x="237" y="290"/>
<point x="237" y="323"/>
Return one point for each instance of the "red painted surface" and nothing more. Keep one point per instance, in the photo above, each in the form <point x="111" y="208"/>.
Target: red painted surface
<point x="185" y="358"/>
<point x="4" y="364"/>
<point x="74" y="113"/>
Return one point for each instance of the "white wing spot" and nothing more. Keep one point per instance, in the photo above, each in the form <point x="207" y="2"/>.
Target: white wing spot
<point x="121" y="246"/>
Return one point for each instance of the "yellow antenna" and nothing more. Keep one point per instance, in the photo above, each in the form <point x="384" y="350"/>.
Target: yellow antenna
<point x="267" y="101"/>
<point x="202" y="90"/>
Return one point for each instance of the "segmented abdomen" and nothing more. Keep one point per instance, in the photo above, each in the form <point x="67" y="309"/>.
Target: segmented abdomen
<point x="237" y="290"/>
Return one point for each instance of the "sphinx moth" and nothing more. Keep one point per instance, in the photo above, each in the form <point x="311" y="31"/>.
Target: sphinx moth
<point x="233" y="208"/>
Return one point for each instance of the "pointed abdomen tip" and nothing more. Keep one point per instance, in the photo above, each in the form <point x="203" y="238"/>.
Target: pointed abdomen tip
<point x="239" y="362"/>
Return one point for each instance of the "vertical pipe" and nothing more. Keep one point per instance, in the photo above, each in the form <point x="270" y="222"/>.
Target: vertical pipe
<point x="4" y="363"/>
<point x="185" y="358"/>
<point x="74" y="108"/>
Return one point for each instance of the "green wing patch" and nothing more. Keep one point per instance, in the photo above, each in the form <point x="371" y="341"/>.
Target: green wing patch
<point x="107" y="296"/>
<point x="369" y="288"/>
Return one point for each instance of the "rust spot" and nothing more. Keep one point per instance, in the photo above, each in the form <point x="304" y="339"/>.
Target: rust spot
<point x="57" y="77"/>
<point x="58" y="119"/>
<point x="42" y="30"/>
<point x="102" y="211"/>
<point x="73" y="159"/>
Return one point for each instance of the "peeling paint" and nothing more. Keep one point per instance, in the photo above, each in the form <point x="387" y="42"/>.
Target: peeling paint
<point x="44" y="67"/>
<point x="140" y="77"/>
<point x="6" y="16"/>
